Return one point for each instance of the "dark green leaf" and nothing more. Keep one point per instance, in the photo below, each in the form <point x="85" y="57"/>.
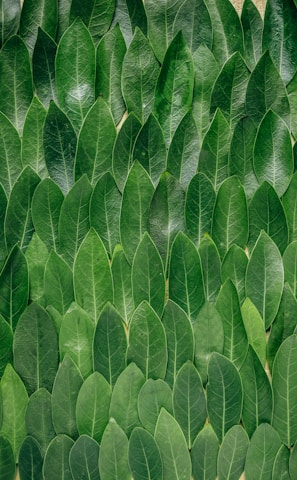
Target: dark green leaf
<point x="130" y="14"/>
<point x="43" y="67"/>
<point x="10" y="151"/>
<point x="153" y="396"/>
<point x="232" y="454"/>
<point x="6" y="336"/>
<point x="3" y="203"/>
<point x="211" y="268"/>
<point x="293" y="462"/>
<point x="122" y="284"/>
<point x="84" y="11"/>
<point x="38" y="418"/>
<point x="290" y="266"/>
<point x="56" y="460"/>
<point x="30" y="459"/>
<point x="144" y="456"/>
<point x="281" y="464"/>
<point x="204" y="455"/>
<point x="252" y="25"/>
<point x="292" y="95"/>
<point x="7" y="460"/>
<point x="37" y="256"/>
<point x="255" y="329"/>
<point x="289" y="201"/>
<point x="10" y="20"/>
<point x="192" y="17"/>
<point x="58" y="283"/>
<point x="113" y="458"/>
<point x="35" y="14"/>
<point x="234" y="267"/>
<point x="261" y="453"/>
<point x="84" y="459"/>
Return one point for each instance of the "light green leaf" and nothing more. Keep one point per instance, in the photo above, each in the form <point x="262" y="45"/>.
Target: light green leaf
<point x="144" y="456"/>
<point x="9" y="25"/>
<point x="10" y="151"/>
<point x="38" y="419"/>
<point x="252" y="25"/>
<point x="58" y="283"/>
<point x="293" y="461"/>
<point x="56" y="459"/>
<point x="7" y="459"/>
<point x="84" y="459"/>
<point x="261" y="453"/>
<point x="232" y="454"/>
<point x="204" y="454"/>
<point x="290" y="266"/>
<point x="30" y="459"/>
<point x="281" y="464"/>
<point x="255" y="329"/>
<point x="3" y="203"/>
<point x="153" y="396"/>
<point x="122" y="284"/>
<point x="43" y="68"/>
<point x="6" y="336"/>
<point x="37" y="256"/>
<point x="234" y="267"/>
<point x="289" y="202"/>
<point x="40" y="13"/>
<point x="113" y="458"/>
<point x="211" y="268"/>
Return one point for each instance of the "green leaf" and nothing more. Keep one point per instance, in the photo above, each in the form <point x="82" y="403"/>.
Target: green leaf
<point x="185" y="276"/>
<point x="284" y="378"/>
<point x="232" y="453"/>
<point x="92" y="407"/>
<point x="183" y="153"/>
<point x="122" y="156"/>
<point x="46" y="205"/>
<point x="6" y="336"/>
<point x="109" y="59"/>
<point x="122" y="284"/>
<point x="204" y="454"/>
<point x="234" y="267"/>
<point x="37" y="256"/>
<point x="56" y="459"/>
<point x="257" y="398"/>
<point x="15" y="81"/>
<point x="235" y="337"/>
<point x="255" y="329"/>
<point x="148" y="279"/>
<point x="291" y="90"/>
<point x="144" y="456"/>
<point x="92" y="276"/>
<point x="9" y="24"/>
<point x="261" y="453"/>
<point x="153" y="396"/>
<point x="113" y="458"/>
<point x="66" y="387"/>
<point x="10" y="151"/>
<point x="192" y="17"/>
<point x="280" y="36"/>
<point x="18" y="220"/>
<point x="200" y="200"/>
<point x="59" y="142"/>
<point x="189" y="404"/>
<point x="110" y="344"/>
<point x="252" y="25"/>
<point x="230" y="216"/>
<point x="123" y="406"/>
<point x="209" y="337"/>
<point x="30" y="459"/>
<point x="290" y="266"/>
<point x="35" y="349"/>
<point x="84" y="459"/>
<point x="43" y="68"/>
<point x="224" y="394"/>
<point x="211" y="268"/>
<point x="75" y="72"/>
<point x="43" y="14"/>
<point x="266" y="213"/>
<point x="95" y="142"/>
<point x="7" y="460"/>
<point x="174" y="89"/>
<point x="281" y="464"/>
<point x="293" y="461"/>
<point x="14" y="399"/>
<point x="58" y="283"/>
<point x="147" y="342"/>
<point x="265" y="278"/>
<point x="136" y="200"/>
<point x="229" y="90"/>
<point x="273" y="154"/>
<point x="227" y="30"/>
<point x="3" y="203"/>
<point x="139" y="76"/>
<point x="179" y="339"/>
<point x="76" y="337"/>
<point x="84" y="11"/>
<point x="14" y="286"/>
<point x="38" y="419"/>
<point x="266" y="90"/>
<point x="213" y="157"/>
<point x="289" y="202"/>
<point x="130" y="14"/>
<point x="173" y="448"/>
<point x="166" y="215"/>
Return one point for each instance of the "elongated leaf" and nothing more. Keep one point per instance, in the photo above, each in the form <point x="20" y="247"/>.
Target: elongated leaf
<point x="204" y="454"/>
<point x="230" y="216"/>
<point x="194" y="20"/>
<point x="255" y="329"/>
<point x="290" y="266"/>
<point x="37" y="256"/>
<point x="56" y="460"/>
<point x="109" y="59"/>
<point x="100" y="18"/>
<point x="209" y="337"/>
<point x="75" y="72"/>
<point x="130" y="14"/>
<point x="223" y="393"/>
<point x="66" y="387"/>
<point x="183" y="153"/>
<point x="257" y="398"/>
<point x="122" y="284"/>
<point x="284" y="384"/>
<point x="293" y="461"/>
<point x="10" y="151"/>
<point x="147" y="342"/>
<point x="10" y="19"/>
<point x="232" y="453"/>
<point x="261" y="453"/>
<point x="76" y="337"/>
<point x="234" y="267"/>
<point x="266" y="213"/>
<point x="78" y="10"/>
<point x="14" y="399"/>
<point x="84" y="459"/>
<point x="144" y="456"/>
<point x="43" y="68"/>
<point x="153" y="396"/>
<point x="211" y="268"/>
<point x="185" y="276"/>
<point x="92" y="276"/>
<point x="252" y="25"/>
<point x="95" y="143"/>
<point x="92" y="407"/>
<point x="30" y="459"/>
<point x="58" y="283"/>
<point x="6" y="345"/>
<point x="123" y="406"/>
<point x="3" y="203"/>
<point x="113" y="458"/>
<point x="44" y="14"/>
<point x="173" y="448"/>
<point x="148" y="279"/>
<point x="59" y="141"/>
<point x="174" y="89"/>
<point x="39" y="424"/>
<point x="122" y="156"/>
<point x="46" y="205"/>
<point x="281" y="17"/>
<point x="7" y="460"/>
<point x="139" y="76"/>
<point x="273" y="155"/>
<point x="265" y="278"/>
<point x="16" y="81"/>
<point x="291" y="90"/>
<point x="213" y="158"/>
<point x="110" y="344"/>
<point x="14" y="286"/>
<point x="281" y="464"/>
<point x="136" y="200"/>
<point x="289" y="202"/>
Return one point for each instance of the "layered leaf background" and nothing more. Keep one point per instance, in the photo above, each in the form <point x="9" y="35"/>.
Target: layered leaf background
<point x="148" y="240"/>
